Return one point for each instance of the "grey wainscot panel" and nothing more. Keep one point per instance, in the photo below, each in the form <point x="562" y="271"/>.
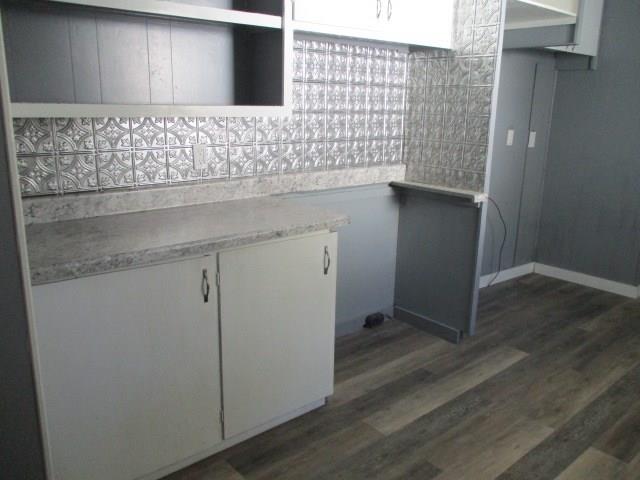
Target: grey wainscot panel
<point x="438" y="261"/>
<point x="366" y="250"/>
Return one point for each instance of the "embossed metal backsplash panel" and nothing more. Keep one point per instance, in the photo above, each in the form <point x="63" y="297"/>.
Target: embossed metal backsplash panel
<point x="348" y="113"/>
<point x="449" y="101"/>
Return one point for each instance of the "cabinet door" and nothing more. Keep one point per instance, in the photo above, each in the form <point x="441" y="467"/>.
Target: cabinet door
<point x="420" y="22"/>
<point x="130" y="373"/>
<point x="358" y="14"/>
<point x="277" y="312"/>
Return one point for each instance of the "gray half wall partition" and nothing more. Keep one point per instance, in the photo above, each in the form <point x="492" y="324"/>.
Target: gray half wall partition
<point x="437" y="267"/>
<point x="366" y="250"/>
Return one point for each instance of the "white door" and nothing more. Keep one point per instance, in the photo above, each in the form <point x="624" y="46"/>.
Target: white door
<point x="277" y="313"/>
<point x="130" y="370"/>
<point x="421" y="22"/>
<point x="357" y="14"/>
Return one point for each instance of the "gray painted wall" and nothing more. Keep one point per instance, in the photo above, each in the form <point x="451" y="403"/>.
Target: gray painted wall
<point x="591" y="209"/>
<point x="525" y="103"/>
<point x="366" y="251"/>
<point x="21" y="455"/>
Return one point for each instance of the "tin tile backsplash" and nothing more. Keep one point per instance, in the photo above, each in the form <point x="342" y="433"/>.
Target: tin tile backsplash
<point x="348" y="113"/>
<point x="449" y="101"/>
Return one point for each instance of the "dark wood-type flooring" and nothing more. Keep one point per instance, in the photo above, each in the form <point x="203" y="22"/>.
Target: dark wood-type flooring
<point x="549" y="388"/>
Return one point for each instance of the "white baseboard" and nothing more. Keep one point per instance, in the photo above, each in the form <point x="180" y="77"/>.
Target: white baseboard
<point x="598" y="283"/>
<point x="623" y="289"/>
<point x="508" y="274"/>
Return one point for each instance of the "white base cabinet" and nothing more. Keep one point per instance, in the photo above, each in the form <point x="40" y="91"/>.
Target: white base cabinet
<point x="131" y="378"/>
<point x="130" y="371"/>
<point x="277" y="322"/>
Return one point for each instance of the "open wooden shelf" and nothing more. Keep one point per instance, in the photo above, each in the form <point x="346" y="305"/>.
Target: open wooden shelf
<point x="540" y="13"/>
<point x="569" y="26"/>
<point x="134" y="58"/>
<point x="165" y="8"/>
<point x="98" y="110"/>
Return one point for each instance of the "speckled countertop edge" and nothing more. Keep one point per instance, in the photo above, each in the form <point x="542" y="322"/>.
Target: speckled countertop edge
<point x="44" y="272"/>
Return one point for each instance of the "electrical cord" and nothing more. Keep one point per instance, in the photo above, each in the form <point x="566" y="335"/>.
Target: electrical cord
<point x="504" y="240"/>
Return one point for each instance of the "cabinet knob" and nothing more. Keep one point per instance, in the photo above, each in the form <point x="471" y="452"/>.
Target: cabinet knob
<point x="206" y="288"/>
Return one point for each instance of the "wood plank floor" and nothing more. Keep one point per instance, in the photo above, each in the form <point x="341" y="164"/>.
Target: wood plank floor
<point x="549" y="388"/>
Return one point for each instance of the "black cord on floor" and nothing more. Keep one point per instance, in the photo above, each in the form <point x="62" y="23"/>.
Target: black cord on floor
<point x="504" y="240"/>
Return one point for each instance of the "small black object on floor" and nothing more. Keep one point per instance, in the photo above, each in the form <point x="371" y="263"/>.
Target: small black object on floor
<point x="374" y="320"/>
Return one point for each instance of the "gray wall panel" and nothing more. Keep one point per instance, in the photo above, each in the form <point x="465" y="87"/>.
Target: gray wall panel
<point x="590" y="220"/>
<point x="160" y="71"/>
<point x="535" y="162"/>
<point x="507" y="168"/>
<point x="202" y="63"/>
<point x="21" y="454"/>
<point x="524" y="102"/>
<point x="366" y="250"/>
<point x="83" y="42"/>
<point x="43" y="38"/>
<point x="124" y="66"/>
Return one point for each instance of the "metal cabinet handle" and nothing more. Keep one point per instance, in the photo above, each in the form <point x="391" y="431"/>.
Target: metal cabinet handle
<point x="378" y="8"/>
<point x="327" y="260"/>
<point x="389" y="9"/>
<point x="206" y="288"/>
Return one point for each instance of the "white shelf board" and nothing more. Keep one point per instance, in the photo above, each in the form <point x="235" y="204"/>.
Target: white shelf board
<point x="166" y="8"/>
<point x="375" y="35"/>
<point x="534" y="14"/>
<point x="591" y="25"/>
<point x="76" y="110"/>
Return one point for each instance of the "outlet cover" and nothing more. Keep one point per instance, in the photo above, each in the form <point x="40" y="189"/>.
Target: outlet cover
<point x="199" y="156"/>
<point x="510" y="135"/>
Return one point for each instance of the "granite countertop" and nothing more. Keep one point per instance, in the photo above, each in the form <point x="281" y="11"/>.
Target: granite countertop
<point x="466" y="195"/>
<point x="77" y="248"/>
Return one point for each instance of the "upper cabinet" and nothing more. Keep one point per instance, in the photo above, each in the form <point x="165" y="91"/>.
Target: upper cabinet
<point x="571" y="26"/>
<point x="72" y="58"/>
<point x="421" y="22"/>
<point x="414" y="22"/>
<point x="354" y="14"/>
